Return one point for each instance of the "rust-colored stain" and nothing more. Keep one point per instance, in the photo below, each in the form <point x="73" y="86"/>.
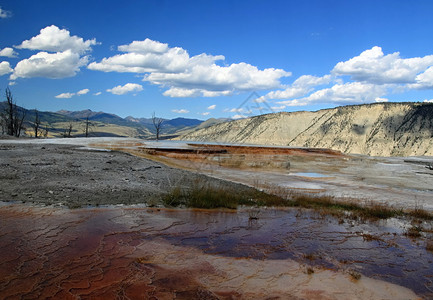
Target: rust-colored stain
<point x="141" y="253"/>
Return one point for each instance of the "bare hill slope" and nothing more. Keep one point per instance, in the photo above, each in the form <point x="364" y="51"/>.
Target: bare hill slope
<point x="380" y="129"/>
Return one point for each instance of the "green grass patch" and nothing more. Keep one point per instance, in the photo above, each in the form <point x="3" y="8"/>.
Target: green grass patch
<point x="372" y="210"/>
<point x="206" y="195"/>
<point x="420" y="214"/>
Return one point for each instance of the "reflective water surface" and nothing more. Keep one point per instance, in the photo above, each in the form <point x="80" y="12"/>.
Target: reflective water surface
<point x="143" y="253"/>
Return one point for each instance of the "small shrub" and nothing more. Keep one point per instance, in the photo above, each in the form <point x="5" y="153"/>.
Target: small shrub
<point x="253" y="214"/>
<point x="379" y="211"/>
<point x="369" y="237"/>
<point x="310" y="271"/>
<point x="310" y="256"/>
<point x="174" y="198"/>
<point x="413" y="232"/>
<point x="354" y="275"/>
<point x="74" y="205"/>
<point x="420" y="213"/>
<point x="213" y="197"/>
<point x="207" y="195"/>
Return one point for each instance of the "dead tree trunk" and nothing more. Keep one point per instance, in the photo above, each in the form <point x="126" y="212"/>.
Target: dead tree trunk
<point x="157" y="123"/>
<point x="14" y="119"/>
<point x="36" y="123"/>
<point x="68" y="130"/>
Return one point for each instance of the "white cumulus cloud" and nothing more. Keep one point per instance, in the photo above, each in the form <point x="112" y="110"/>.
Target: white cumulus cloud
<point x="423" y="80"/>
<point x="97" y="94"/>
<point x="180" y="111"/>
<point x="83" y="92"/>
<point x="212" y="107"/>
<point x="5" y="68"/>
<point x="4" y="13"/>
<point x="205" y="93"/>
<point x="8" y="52"/>
<point x="49" y="65"/>
<point x="187" y="76"/>
<point x="372" y="66"/>
<point x="65" y="95"/>
<point x="146" y="46"/>
<point x="65" y="61"/>
<point x="365" y="78"/>
<point x="178" y="92"/>
<point x="239" y="116"/>
<point x="347" y="93"/>
<point x="302" y="86"/>
<point x="172" y="60"/>
<point x="205" y="113"/>
<point x="276" y="108"/>
<point x="54" y="39"/>
<point x="218" y="79"/>
<point x="127" y="88"/>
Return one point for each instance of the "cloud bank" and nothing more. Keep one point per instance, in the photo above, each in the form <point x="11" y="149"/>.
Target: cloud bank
<point x="61" y="55"/>
<point x="186" y="76"/>
<point x="365" y="78"/>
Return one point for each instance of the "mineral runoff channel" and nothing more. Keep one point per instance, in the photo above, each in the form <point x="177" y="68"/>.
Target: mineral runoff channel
<point x="401" y="182"/>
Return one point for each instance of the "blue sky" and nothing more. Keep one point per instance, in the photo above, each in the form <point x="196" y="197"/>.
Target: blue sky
<point x="202" y="59"/>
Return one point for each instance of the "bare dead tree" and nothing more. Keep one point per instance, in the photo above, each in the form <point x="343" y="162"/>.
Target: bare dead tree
<point x="157" y="123"/>
<point x="36" y="124"/>
<point x="46" y="130"/>
<point x="87" y="126"/>
<point x="68" y="130"/>
<point x="3" y="122"/>
<point x="14" y="119"/>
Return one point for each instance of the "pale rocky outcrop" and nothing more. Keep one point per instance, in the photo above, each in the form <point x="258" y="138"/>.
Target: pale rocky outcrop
<point x="380" y="129"/>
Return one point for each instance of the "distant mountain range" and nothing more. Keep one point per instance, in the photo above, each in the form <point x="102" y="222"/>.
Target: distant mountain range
<point x="170" y="126"/>
<point x="106" y="124"/>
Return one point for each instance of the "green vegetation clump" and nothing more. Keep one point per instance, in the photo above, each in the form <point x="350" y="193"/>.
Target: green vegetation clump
<point x="413" y="232"/>
<point x="420" y="214"/>
<point x="206" y="195"/>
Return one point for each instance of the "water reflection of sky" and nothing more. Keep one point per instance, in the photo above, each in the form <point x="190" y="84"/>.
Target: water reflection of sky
<point x="310" y="238"/>
<point x="106" y="238"/>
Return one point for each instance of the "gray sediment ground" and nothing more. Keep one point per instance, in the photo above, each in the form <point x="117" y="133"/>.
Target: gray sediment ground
<point x="74" y="176"/>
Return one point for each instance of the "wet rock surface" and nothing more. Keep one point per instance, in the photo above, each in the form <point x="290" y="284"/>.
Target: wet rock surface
<point x="144" y="253"/>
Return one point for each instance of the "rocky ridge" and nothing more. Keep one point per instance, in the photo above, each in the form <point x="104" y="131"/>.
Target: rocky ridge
<point x="380" y="129"/>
